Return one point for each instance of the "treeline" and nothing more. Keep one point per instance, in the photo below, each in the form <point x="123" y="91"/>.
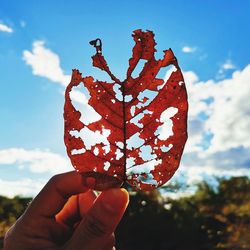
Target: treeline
<point x="212" y="218"/>
<point x="10" y="210"/>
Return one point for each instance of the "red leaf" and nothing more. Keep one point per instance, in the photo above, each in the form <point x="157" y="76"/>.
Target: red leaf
<point x="137" y="148"/>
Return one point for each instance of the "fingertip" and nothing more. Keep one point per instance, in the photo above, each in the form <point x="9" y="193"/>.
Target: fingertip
<point x="102" y="219"/>
<point x="115" y="200"/>
<point x="126" y="194"/>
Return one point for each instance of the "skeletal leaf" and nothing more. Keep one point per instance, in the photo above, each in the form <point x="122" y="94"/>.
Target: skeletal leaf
<point x="143" y="121"/>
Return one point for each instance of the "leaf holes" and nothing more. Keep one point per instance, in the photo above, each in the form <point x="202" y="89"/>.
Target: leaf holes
<point x="165" y="149"/>
<point x="118" y="92"/>
<point x="106" y="166"/>
<point x="136" y="121"/>
<point x="96" y="151"/>
<point x="165" y="130"/>
<point x="78" y="151"/>
<point x="79" y="99"/>
<point x="119" y="154"/>
<point x="139" y="67"/>
<point x="128" y="98"/>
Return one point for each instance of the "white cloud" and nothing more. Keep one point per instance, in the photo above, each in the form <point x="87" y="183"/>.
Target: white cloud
<point x="188" y="49"/>
<point x="36" y="160"/>
<point x="25" y="187"/>
<point x="45" y="63"/>
<point x="218" y="127"/>
<point x="226" y="104"/>
<point x="230" y="120"/>
<point x="195" y="135"/>
<point x="231" y="160"/>
<point x="228" y="65"/>
<point x="5" y="28"/>
<point x="198" y="93"/>
<point x="195" y="169"/>
<point x="220" y="109"/>
<point x="209" y="170"/>
<point x="194" y="174"/>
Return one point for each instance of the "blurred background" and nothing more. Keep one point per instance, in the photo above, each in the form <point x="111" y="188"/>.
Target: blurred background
<point x="206" y="205"/>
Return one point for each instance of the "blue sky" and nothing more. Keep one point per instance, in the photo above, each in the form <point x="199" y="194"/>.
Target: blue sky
<point x="209" y="38"/>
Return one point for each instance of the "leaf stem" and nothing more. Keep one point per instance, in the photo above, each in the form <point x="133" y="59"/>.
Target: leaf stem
<point x="124" y="128"/>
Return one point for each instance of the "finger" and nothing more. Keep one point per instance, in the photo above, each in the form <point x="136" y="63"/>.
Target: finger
<point x="101" y="220"/>
<point x="75" y="208"/>
<point x="55" y="194"/>
<point x="85" y="202"/>
<point x="110" y="243"/>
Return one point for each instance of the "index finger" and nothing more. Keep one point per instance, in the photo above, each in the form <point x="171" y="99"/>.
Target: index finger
<point x="76" y="208"/>
<point x="55" y="194"/>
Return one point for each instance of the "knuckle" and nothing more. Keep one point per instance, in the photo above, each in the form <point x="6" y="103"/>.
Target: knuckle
<point x="55" y="183"/>
<point x="95" y="227"/>
<point x="55" y="179"/>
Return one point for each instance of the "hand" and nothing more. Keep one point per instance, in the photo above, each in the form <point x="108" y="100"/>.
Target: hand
<point x="65" y="215"/>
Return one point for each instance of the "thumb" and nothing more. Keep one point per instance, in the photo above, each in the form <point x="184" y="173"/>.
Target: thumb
<point x="96" y="228"/>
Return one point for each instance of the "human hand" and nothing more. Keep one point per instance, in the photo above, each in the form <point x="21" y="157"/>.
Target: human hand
<point x="65" y="215"/>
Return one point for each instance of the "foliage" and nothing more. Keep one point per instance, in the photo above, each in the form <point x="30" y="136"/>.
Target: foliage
<point x="10" y="210"/>
<point x="209" y="219"/>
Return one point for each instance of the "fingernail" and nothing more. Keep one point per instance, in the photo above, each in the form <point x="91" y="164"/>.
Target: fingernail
<point x="115" y="199"/>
